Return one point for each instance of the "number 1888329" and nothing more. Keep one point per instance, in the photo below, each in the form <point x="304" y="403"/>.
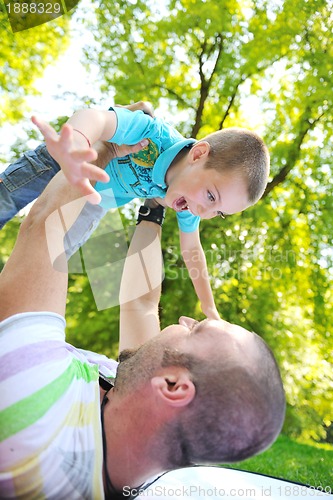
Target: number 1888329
<point x="33" y="8"/>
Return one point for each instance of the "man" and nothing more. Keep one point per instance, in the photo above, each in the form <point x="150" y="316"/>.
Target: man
<point x="204" y="392"/>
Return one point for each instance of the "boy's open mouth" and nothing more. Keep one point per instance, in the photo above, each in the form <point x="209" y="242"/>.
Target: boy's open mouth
<point x="180" y="204"/>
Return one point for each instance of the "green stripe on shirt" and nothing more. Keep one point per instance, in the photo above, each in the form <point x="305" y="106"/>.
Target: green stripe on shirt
<point x="29" y="410"/>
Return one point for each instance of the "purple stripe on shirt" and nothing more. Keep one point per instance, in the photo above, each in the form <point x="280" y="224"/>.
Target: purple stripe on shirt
<point x="26" y="357"/>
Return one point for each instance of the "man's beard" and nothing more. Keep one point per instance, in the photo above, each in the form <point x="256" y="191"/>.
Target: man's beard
<point x="126" y="354"/>
<point x="136" y="366"/>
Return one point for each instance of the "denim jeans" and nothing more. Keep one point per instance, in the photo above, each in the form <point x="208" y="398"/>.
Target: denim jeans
<point x="25" y="179"/>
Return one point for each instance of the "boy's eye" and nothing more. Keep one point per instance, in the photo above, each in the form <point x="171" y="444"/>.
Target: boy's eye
<point x="210" y="196"/>
<point x="220" y="214"/>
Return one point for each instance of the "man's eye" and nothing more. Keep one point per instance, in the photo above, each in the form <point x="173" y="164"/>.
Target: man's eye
<point x="210" y="196"/>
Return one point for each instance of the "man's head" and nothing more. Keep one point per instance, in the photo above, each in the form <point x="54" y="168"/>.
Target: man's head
<point x="216" y="389"/>
<point x="224" y="173"/>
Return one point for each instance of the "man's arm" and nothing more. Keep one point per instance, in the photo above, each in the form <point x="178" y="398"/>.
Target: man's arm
<point x="195" y="260"/>
<point x="141" y="287"/>
<point x="29" y="281"/>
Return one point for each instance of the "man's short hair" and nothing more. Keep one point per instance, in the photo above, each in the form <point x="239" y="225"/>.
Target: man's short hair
<point x="238" y="410"/>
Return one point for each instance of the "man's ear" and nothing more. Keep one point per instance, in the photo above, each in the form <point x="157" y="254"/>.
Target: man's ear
<point x="174" y="387"/>
<point x="200" y="151"/>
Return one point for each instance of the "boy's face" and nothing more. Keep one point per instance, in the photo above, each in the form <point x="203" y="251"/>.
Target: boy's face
<point x="206" y="192"/>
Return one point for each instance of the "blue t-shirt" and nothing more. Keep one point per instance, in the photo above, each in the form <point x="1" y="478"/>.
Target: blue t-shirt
<point x="142" y="174"/>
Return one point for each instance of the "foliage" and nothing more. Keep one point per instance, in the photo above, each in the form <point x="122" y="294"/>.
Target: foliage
<point x="99" y="331"/>
<point x="7" y="240"/>
<point x="23" y="58"/>
<point x="205" y="57"/>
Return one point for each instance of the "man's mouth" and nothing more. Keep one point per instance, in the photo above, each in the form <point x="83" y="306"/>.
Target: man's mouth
<point x="180" y="204"/>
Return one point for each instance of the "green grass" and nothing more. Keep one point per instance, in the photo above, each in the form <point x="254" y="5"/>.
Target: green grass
<point x="311" y="464"/>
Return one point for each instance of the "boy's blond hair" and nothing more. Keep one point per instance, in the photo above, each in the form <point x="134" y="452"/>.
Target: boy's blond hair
<point x="243" y="152"/>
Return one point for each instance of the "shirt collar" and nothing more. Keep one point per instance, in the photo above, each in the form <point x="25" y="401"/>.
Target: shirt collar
<point x="165" y="159"/>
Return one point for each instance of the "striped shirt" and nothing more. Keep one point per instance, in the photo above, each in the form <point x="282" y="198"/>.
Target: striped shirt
<point x="50" y="429"/>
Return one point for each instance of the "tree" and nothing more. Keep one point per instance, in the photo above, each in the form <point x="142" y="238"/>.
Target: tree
<point x="23" y="58"/>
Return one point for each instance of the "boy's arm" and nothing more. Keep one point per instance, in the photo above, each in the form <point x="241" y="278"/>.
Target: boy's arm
<point x="74" y="147"/>
<point x="196" y="264"/>
<point x="140" y="289"/>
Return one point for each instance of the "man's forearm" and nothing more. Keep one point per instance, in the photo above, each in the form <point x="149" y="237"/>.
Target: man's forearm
<point x="30" y="281"/>
<point x="141" y="287"/>
<point x="106" y="152"/>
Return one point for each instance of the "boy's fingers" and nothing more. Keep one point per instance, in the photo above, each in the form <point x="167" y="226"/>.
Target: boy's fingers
<point x="87" y="190"/>
<point x="46" y="129"/>
<point x="94" y="173"/>
<point x="66" y="135"/>
<point x="86" y="155"/>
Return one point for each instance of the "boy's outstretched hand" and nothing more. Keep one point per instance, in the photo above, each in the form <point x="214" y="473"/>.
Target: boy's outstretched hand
<point x="74" y="155"/>
<point x="73" y="159"/>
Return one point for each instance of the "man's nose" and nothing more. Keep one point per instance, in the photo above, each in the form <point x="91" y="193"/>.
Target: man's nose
<point x="187" y="322"/>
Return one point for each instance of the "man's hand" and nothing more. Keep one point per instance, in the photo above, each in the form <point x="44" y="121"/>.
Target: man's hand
<point x="144" y="106"/>
<point x="115" y="151"/>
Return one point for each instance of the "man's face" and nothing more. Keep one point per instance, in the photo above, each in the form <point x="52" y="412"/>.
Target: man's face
<point x="206" y="337"/>
<point x="207" y="340"/>
<point x="200" y="338"/>
<point x="206" y="192"/>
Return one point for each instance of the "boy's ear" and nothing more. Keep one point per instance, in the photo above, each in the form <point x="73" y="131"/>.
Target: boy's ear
<point x="199" y="151"/>
<point x="174" y="387"/>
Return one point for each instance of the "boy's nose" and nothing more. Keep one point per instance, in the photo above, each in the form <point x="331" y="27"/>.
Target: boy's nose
<point x="201" y="211"/>
<point x="205" y="212"/>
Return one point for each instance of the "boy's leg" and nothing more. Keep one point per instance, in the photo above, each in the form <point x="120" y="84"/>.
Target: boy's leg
<point x="24" y="180"/>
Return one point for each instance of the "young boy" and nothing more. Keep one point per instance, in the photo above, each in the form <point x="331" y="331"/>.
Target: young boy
<point x="222" y="174"/>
